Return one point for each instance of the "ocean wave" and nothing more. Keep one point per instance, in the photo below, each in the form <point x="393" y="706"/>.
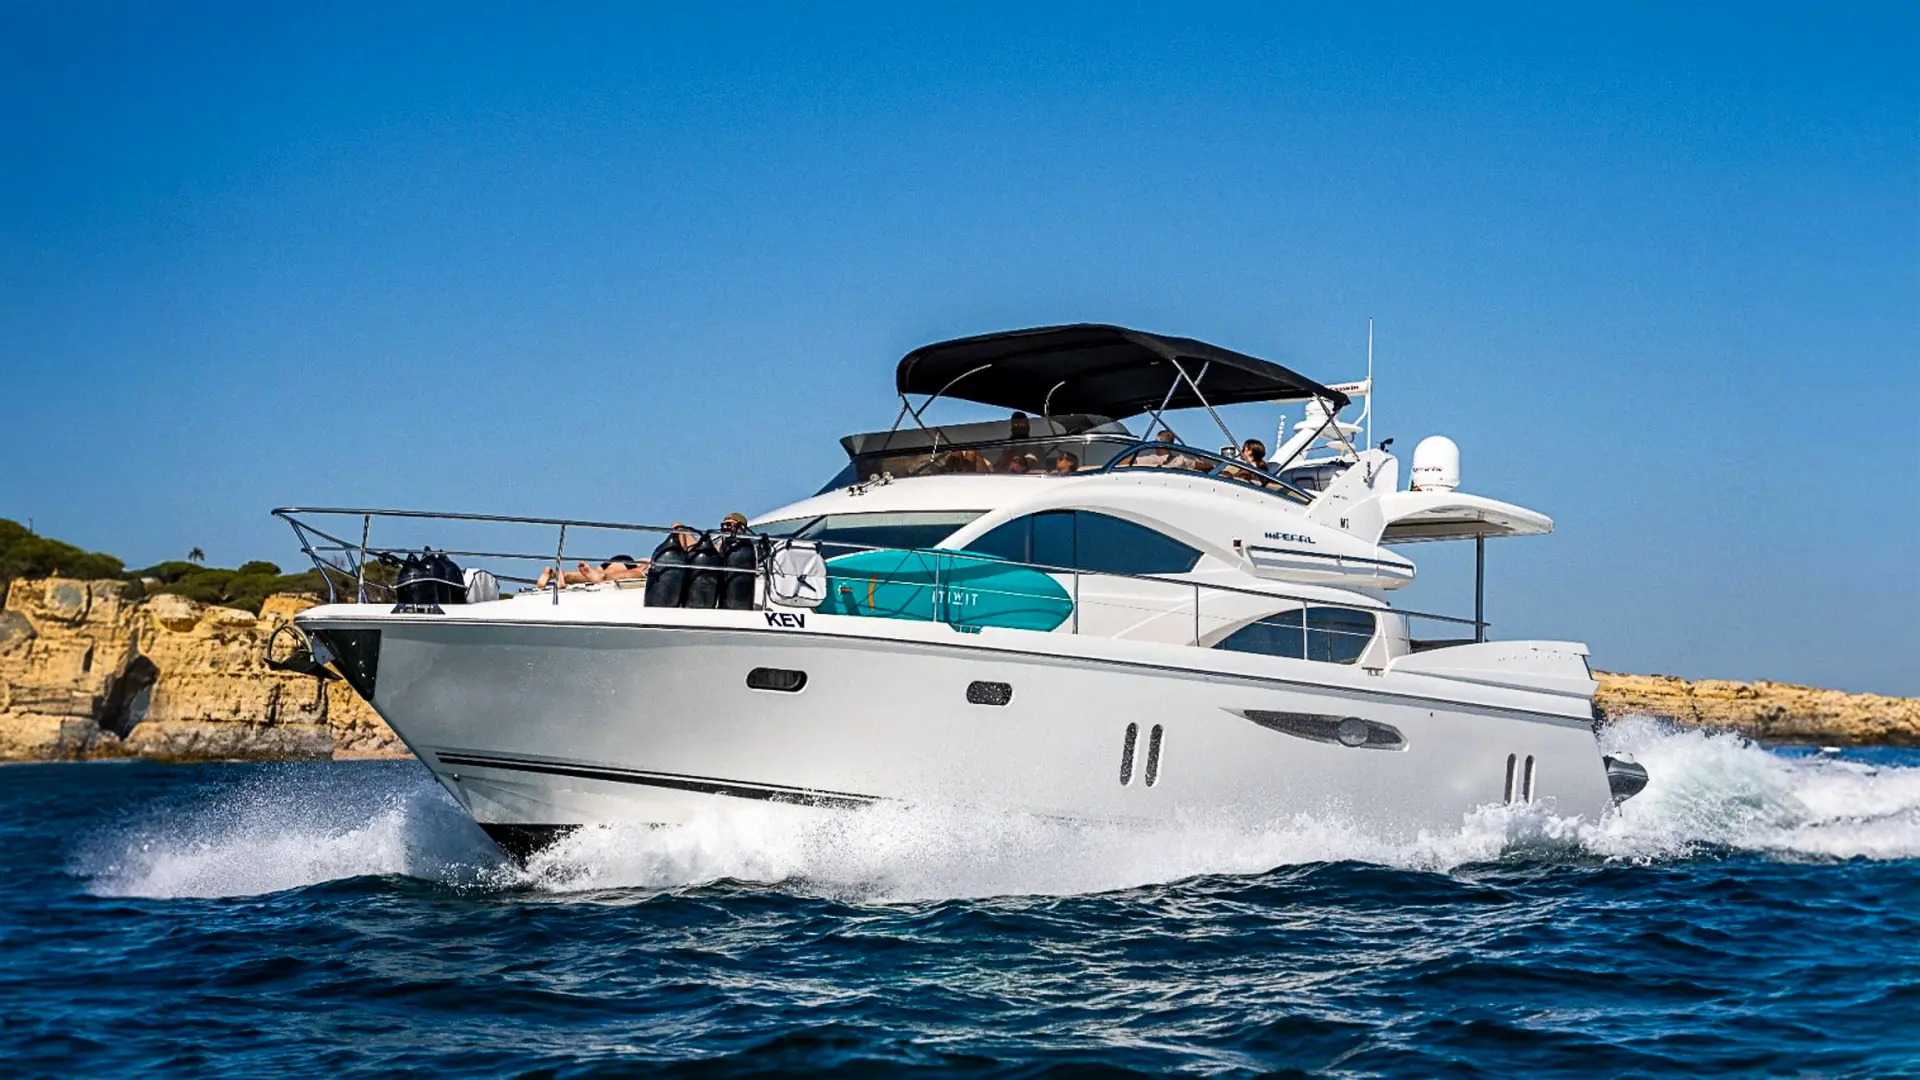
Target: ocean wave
<point x="287" y="829"/>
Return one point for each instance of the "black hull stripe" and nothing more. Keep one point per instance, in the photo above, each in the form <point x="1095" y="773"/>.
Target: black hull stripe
<point x="705" y="785"/>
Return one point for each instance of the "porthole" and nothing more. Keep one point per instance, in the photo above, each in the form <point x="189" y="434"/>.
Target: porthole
<point x="989" y="693"/>
<point x="1126" y="753"/>
<point x="1512" y="764"/>
<point x="785" y="680"/>
<point x="1153" y="754"/>
<point x="1526" y="789"/>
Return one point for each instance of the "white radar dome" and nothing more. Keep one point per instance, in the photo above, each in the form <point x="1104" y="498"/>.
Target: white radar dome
<point x="1436" y="464"/>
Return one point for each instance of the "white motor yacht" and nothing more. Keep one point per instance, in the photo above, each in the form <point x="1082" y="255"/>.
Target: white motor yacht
<point x="1044" y="613"/>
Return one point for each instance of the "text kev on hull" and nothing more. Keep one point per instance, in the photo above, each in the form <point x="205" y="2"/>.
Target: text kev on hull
<point x="1045" y="614"/>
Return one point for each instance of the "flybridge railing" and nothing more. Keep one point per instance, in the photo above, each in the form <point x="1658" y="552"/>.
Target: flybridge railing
<point x="346" y="564"/>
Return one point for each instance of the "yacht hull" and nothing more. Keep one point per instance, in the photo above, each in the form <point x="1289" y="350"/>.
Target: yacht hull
<point x="543" y="723"/>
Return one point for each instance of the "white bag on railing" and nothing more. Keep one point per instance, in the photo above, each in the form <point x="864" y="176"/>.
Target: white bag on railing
<point x="797" y="575"/>
<point x="481" y="587"/>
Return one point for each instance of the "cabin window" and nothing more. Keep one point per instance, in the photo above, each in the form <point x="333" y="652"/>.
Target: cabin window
<point x="1116" y="546"/>
<point x="1053" y="538"/>
<point x="838" y="534"/>
<point x="1082" y="539"/>
<point x="1331" y="635"/>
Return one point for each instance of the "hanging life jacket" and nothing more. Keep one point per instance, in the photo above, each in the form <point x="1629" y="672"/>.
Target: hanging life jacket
<point x="742" y="559"/>
<point x="703" y="583"/>
<point x="667" y="576"/>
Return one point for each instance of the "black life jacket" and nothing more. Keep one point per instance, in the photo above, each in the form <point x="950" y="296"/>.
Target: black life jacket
<point x="450" y="588"/>
<point x="667" y="577"/>
<point x="703" y="583"/>
<point x="409" y="588"/>
<point x="742" y="560"/>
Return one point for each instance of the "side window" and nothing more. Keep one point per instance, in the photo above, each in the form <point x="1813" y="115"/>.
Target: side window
<point x="1115" y="546"/>
<point x="1275" y="635"/>
<point x="1053" y="538"/>
<point x="1333" y="635"/>
<point x="1089" y="541"/>
<point x="1338" y="635"/>
<point x="1008" y="541"/>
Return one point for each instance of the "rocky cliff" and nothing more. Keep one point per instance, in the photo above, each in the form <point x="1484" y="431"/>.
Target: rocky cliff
<point x="1765" y="710"/>
<point x="85" y="673"/>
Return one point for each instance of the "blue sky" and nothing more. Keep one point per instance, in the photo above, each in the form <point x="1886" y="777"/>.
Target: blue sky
<point x="1657" y="271"/>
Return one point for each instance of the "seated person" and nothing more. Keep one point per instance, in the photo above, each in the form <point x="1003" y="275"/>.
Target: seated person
<point x="965" y="461"/>
<point x="740" y="554"/>
<point x="1064" y="463"/>
<point x="1158" y="457"/>
<point x="1020" y="463"/>
<point x="1018" y="429"/>
<point x="1253" y="453"/>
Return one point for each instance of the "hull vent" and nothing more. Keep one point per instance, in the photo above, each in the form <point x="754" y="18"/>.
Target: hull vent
<point x="1349" y="731"/>
<point x="989" y="693"/>
<point x="785" y="680"/>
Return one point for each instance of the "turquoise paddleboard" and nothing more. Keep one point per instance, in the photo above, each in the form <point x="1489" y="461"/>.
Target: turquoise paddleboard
<point x="960" y="588"/>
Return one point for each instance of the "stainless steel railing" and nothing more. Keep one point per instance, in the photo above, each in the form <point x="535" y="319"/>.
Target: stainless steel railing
<point x="348" y="561"/>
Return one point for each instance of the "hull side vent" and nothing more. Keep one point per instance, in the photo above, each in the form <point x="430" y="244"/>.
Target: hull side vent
<point x="785" y="680"/>
<point x="1349" y="731"/>
<point x="989" y="693"/>
<point x="1126" y="754"/>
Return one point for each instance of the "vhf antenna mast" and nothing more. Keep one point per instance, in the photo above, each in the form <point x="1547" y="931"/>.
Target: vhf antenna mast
<point x="1369" y="382"/>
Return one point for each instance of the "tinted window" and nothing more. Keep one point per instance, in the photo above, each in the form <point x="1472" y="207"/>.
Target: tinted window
<point x="1089" y="541"/>
<point x="1053" y="538"/>
<point x="1114" y="546"/>
<point x="1338" y="635"/>
<point x="839" y="534"/>
<point x="1333" y="635"/>
<point x="1009" y="541"/>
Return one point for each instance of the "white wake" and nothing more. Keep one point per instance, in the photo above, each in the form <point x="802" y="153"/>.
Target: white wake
<point x="1707" y="793"/>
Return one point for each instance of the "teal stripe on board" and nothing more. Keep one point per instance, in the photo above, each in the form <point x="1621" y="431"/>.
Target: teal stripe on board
<point x="959" y="588"/>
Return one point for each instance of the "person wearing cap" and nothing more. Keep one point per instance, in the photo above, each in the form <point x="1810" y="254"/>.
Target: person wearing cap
<point x="740" y="554"/>
<point x="1013" y="458"/>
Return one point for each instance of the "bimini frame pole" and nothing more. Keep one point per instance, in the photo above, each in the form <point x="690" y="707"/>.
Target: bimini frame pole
<point x="1194" y="382"/>
<point x="1480" y="588"/>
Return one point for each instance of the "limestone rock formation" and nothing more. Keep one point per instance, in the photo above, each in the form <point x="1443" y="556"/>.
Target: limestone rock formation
<point x="1765" y="710"/>
<point x="85" y="673"/>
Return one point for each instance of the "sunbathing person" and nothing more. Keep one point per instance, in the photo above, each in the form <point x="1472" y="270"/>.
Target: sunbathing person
<point x="618" y="568"/>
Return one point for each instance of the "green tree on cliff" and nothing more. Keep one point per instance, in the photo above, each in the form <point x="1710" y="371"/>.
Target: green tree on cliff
<point x="22" y="554"/>
<point x="196" y="556"/>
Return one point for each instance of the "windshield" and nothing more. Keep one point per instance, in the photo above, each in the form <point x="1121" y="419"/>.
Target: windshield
<point x="1052" y="455"/>
<point x="838" y="534"/>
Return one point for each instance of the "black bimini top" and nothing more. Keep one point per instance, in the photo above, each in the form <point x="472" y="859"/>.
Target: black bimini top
<point x="1093" y="368"/>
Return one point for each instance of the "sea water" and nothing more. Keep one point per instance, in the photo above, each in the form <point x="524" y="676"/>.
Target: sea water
<point x="1752" y="912"/>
